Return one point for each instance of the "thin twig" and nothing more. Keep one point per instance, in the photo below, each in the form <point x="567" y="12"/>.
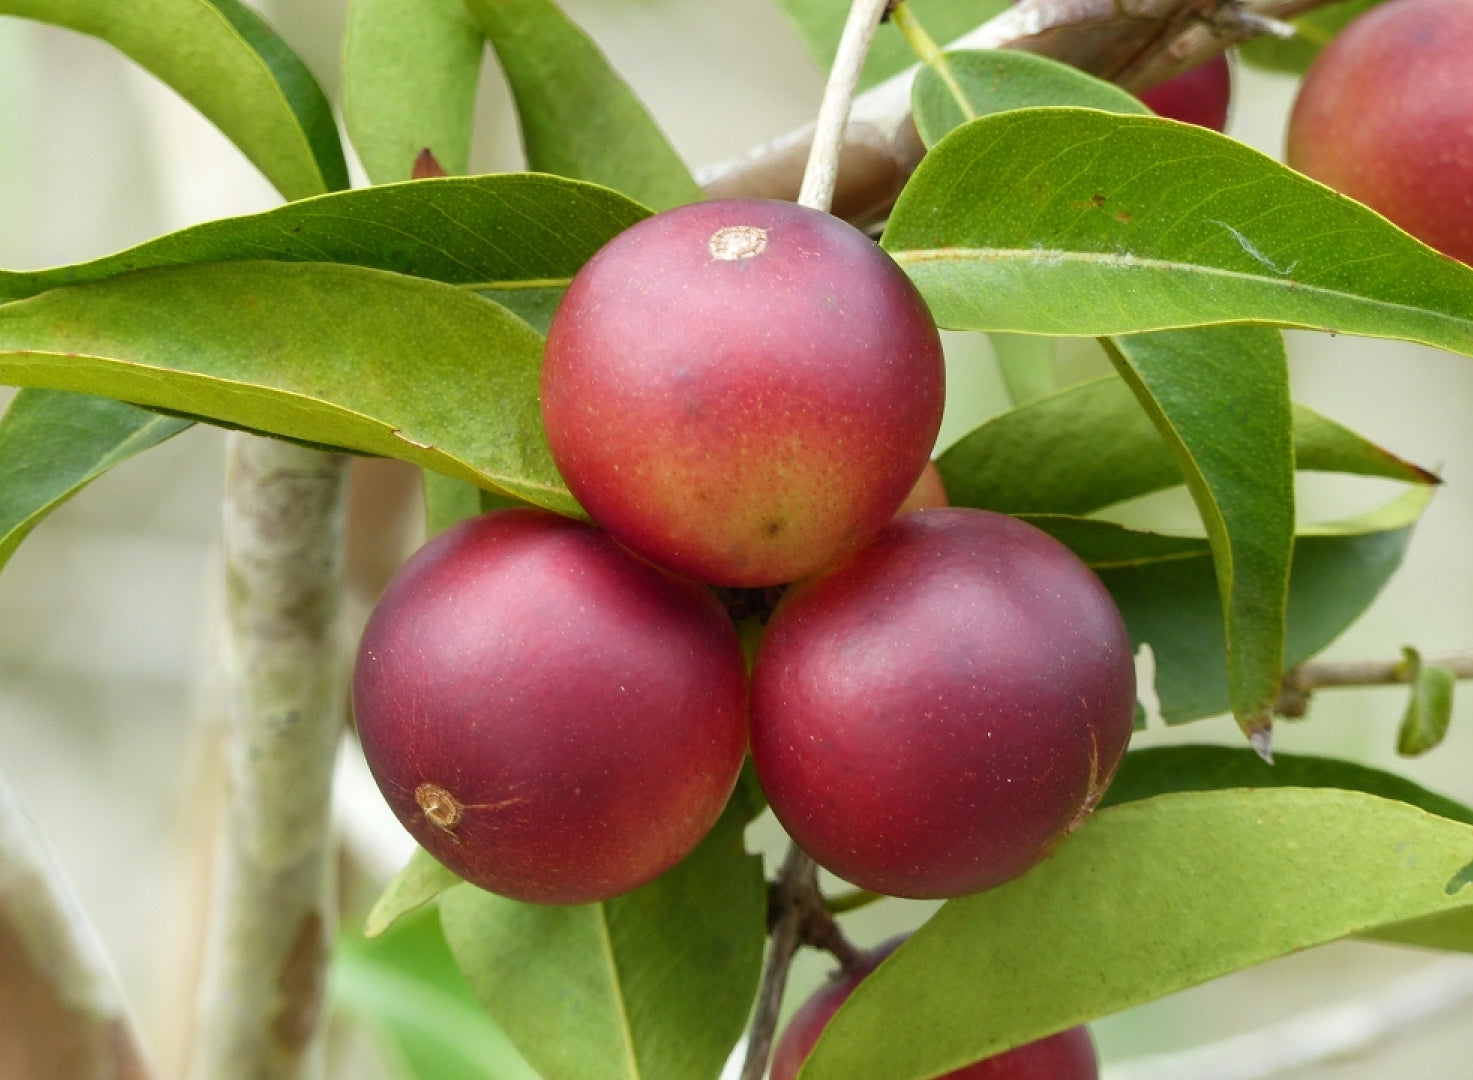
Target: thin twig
<point x="271" y="920"/>
<point x="1320" y="1035"/>
<point x="1136" y="45"/>
<point x="1299" y="684"/>
<point x="63" y="1013"/>
<point x="821" y="173"/>
<point x="798" y="875"/>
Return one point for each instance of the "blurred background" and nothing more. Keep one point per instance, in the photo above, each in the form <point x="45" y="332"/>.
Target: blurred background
<point x="108" y="612"/>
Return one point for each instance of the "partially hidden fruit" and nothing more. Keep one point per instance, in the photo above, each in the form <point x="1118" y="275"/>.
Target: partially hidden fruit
<point x="929" y="492"/>
<point x="1385" y="115"/>
<point x="742" y="390"/>
<point x="933" y="715"/>
<point x="551" y="717"/>
<point x="1200" y="95"/>
<point x="1069" y="1055"/>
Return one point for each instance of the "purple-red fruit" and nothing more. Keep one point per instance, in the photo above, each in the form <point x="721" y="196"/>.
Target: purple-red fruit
<point x="932" y="716"/>
<point x="1385" y="115"/>
<point x="1198" y="96"/>
<point x="551" y="717"/>
<point x="742" y="390"/>
<point x="1069" y="1055"/>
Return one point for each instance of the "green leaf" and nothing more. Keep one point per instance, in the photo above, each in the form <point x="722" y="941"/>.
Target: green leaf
<point x="1027" y="366"/>
<point x="54" y="444"/>
<point x="422" y="880"/>
<point x="223" y="59"/>
<point x="405" y="988"/>
<point x="977" y="83"/>
<point x="820" y="22"/>
<point x="1072" y="221"/>
<point x="338" y="355"/>
<point x="654" y="985"/>
<point x="410" y="69"/>
<point x="1091" y="445"/>
<point x="1313" y="31"/>
<point x="505" y="233"/>
<point x="1219" y="398"/>
<point x="1145" y="899"/>
<point x="1173" y="604"/>
<point x="1429" y="709"/>
<point x="579" y="118"/>
<point x="1160" y="770"/>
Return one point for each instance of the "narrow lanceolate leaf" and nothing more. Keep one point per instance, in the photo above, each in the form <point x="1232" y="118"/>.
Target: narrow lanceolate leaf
<point x="1073" y="221"/>
<point x="1091" y="445"/>
<point x="820" y="22"/>
<point x="405" y="989"/>
<point x="1219" y="398"/>
<point x="339" y="355"/>
<point x="579" y="118"/>
<point x="653" y="985"/>
<point x="225" y="61"/>
<point x="1171" y="600"/>
<point x="409" y="84"/>
<point x="967" y="84"/>
<point x="1230" y="878"/>
<point x="1429" y="708"/>
<point x="1161" y="770"/>
<point x="53" y="444"/>
<point x="507" y="233"/>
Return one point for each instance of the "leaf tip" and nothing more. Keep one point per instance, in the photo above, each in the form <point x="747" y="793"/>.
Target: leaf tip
<point x="427" y="166"/>
<point x="1261" y="738"/>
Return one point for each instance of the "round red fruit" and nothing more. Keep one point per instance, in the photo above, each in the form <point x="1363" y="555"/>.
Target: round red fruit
<point x="932" y="716"/>
<point x="742" y="390"/>
<point x="1385" y="115"/>
<point x="1069" y="1055"/>
<point x="551" y="717"/>
<point x="1198" y="96"/>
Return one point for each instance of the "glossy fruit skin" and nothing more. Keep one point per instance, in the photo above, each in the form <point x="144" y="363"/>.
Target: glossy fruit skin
<point x="742" y="390"/>
<point x="1198" y="96"/>
<point x="931" y="717"/>
<point x="1385" y="115"/>
<point x="585" y="711"/>
<point x="1069" y="1055"/>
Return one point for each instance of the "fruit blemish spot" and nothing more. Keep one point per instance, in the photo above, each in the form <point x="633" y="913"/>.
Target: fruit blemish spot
<point x="442" y="809"/>
<point x="736" y="242"/>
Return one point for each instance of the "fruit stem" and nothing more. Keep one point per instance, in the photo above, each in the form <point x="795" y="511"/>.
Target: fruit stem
<point x="822" y="172"/>
<point x="797" y="879"/>
<point x="852" y="900"/>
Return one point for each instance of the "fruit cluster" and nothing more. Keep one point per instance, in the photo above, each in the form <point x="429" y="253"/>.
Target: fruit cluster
<point x="742" y="394"/>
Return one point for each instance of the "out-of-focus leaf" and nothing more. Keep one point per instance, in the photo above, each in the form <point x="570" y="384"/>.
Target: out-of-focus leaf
<point x="1219" y="397"/>
<point x="53" y="444"/>
<point x="422" y="880"/>
<point x="1313" y="31"/>
<point x="1091" y="445"/>
<point x="404" y="987"/>
<point x="977" y="83"/>
<point x="222" y="58"/>
<point x="653" y="985"/>
<point x="1429" y="708"/>
<point x="506" y="233"/>
<point x="579" y="118"/>
<point x="1227" y="878"/>
<point x="1027" y="366"/>
<point x="820" y="22"/>
<point x="337" y="355"/>
<point x="1172" y="604"/>
<point x="409" y="84"/>
<point x="1078" y="222"/>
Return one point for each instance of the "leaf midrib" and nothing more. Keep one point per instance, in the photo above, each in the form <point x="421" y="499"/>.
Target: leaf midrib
<point x="616" y="989"/>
